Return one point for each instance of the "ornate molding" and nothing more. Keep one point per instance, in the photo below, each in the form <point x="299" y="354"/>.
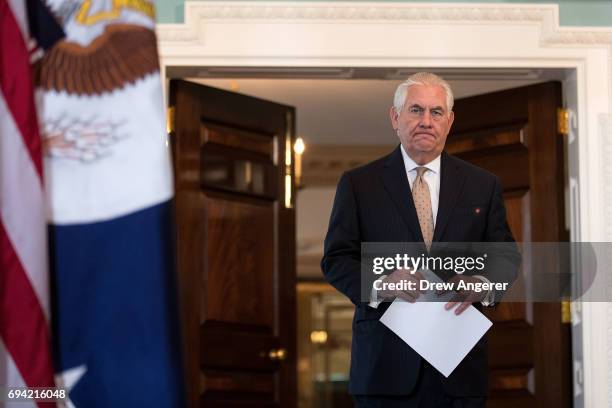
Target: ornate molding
<point x="555" y="35"/>
<point x="363" y="11"/>
<point x="178" y="33"/>
<point x="198" y="13"/>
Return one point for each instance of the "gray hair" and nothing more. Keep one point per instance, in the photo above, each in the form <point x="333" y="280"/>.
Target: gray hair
<point x="422" y="78"/>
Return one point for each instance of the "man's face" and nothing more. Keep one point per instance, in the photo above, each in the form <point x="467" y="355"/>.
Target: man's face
<point x="424" y="122"/>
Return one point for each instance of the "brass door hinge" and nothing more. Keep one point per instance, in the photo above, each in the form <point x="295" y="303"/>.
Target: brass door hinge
<point x="566" y="311"/>
<point x="170" y="120"/>
<point x="563" y="121"/>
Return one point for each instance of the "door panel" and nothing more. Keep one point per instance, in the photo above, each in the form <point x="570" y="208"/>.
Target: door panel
<point x="236" y="246"/>
<point x="513" y="134"/>
<point x="244" y="235"/>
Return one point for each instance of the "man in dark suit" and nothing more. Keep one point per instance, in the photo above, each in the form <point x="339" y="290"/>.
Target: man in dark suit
<point x="418" y="193"/>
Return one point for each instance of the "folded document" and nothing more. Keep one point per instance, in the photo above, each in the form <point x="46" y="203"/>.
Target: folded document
<point x="438" y="335"/>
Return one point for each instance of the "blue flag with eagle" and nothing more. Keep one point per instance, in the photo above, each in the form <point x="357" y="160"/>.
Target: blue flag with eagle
<point x="109" y="190"/>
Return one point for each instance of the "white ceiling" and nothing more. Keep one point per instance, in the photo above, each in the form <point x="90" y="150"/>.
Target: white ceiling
<point x="347" y="111"/>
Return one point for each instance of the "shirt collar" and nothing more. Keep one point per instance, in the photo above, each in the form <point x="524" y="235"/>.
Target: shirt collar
<point x="433" y="165"/>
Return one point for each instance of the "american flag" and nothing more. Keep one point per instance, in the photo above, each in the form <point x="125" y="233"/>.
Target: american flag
<point x="25" y="340"/>
<point x="107" y="207"/>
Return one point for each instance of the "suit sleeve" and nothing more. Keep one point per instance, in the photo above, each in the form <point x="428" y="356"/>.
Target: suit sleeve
<point x="504" y="257"/>
<point x="341" y="263"/>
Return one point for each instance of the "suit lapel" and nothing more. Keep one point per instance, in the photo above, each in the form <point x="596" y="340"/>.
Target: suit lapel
<point x="451" y="183"/>
<point x="396" y="183"/>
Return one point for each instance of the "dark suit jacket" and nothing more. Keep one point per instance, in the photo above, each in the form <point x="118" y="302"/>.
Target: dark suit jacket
<point x="373" y="203"/>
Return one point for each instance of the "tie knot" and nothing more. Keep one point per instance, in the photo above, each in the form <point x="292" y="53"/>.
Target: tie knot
<point x="421" y="171"/>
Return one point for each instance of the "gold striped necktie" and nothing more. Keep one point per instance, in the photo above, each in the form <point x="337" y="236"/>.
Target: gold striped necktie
<point x="422" y="202"/>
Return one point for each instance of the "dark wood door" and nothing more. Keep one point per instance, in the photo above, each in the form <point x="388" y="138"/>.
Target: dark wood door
<point x="513" y="134"/>
<point x="233" y="169"/>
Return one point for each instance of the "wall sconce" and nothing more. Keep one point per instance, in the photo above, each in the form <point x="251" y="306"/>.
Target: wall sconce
<point x="318" y="337"/>
<point x="298" y="148"/>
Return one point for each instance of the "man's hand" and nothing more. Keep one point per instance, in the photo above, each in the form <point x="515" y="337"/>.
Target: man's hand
<point x="402" y="275"/>
<point x="464" y="298"/>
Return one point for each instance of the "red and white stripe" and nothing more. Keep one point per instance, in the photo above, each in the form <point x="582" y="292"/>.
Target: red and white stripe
<point x="25" y="341"/>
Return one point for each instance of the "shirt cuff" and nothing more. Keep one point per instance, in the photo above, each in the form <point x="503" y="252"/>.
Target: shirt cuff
<point x="489" y="299"/>
<point x="374" y="301"/>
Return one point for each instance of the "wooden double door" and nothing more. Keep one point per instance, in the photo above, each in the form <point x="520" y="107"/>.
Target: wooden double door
<point x="514" y="134"/>
<point x="236" y="242"/>
<point x="235" y="215"/>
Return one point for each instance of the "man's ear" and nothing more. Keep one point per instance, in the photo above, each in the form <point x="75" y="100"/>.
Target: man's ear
<point x="393" y="115"/>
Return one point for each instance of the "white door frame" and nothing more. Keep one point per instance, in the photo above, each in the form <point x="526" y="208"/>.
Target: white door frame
<point x="438" y="35"/>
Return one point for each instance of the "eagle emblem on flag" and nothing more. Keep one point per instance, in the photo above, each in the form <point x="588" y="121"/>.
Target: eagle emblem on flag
<point x="123" y="54"/>
<point x="109" y="46"/>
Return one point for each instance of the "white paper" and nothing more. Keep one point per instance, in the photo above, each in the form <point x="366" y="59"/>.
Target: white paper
<point x="438" y="335"/>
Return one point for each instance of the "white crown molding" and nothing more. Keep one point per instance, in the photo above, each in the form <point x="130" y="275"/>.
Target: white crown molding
<point x="577" y="36"/>
<point x="173" y="33"/>
<point x="199" y="13"/>
<point x="325" y="11"/>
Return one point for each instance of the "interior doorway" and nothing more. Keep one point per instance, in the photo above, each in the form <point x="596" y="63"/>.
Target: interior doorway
<point x="342" y="116"/>
<point x="459" y="35"/>
<point x="235" y="240"/>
